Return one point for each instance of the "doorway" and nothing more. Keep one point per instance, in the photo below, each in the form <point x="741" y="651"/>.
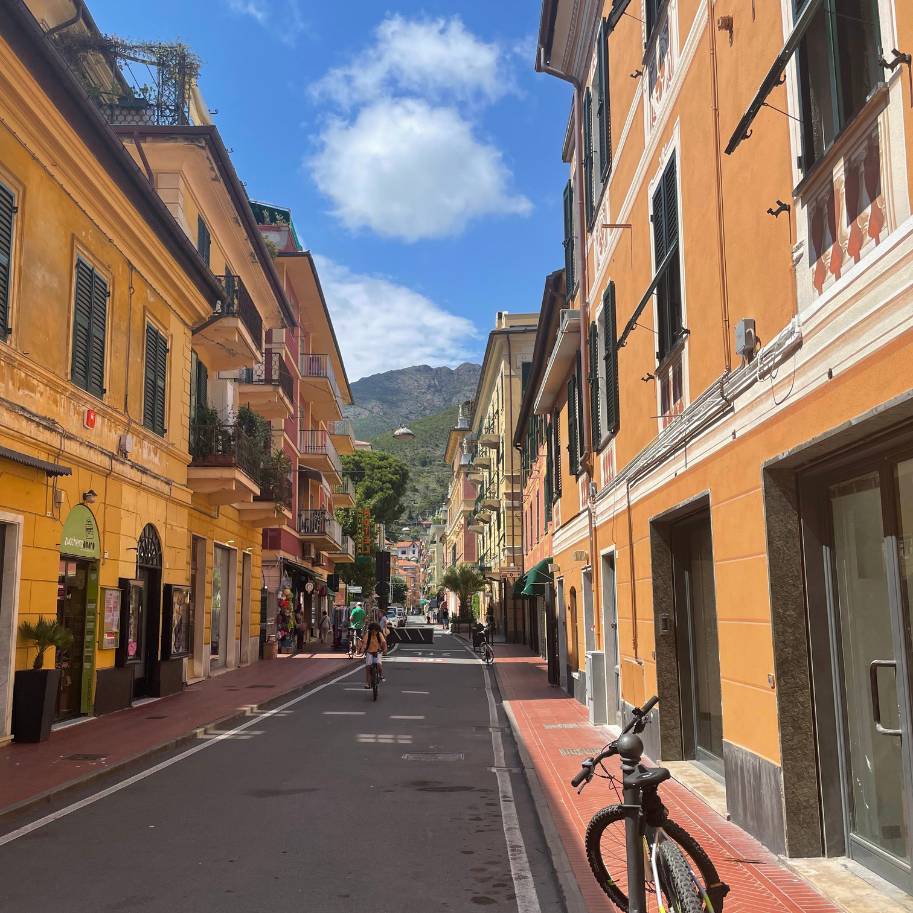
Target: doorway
<point x="218" y="626"/>
<point x="148" y="623"/>
<point x="610" y="640"/>
<point x="246" y="575"/>
<point x="865" y="520"/>
<point x="697" y="642"/>
<point x="573" y="663"/>
<point x="72" y="595"/>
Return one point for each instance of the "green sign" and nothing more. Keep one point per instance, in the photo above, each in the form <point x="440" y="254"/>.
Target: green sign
<point x="88" y="654"/>
<point x="80" y="534"/>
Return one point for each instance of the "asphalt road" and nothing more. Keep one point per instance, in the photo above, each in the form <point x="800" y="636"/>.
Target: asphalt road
<point x="332" y="804"/>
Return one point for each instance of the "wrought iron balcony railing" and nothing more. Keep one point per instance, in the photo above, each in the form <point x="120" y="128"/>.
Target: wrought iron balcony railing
<point x="238" y="303"/>
<point x="225" y="444"/>
<point x="272" y="370"/>
<point x="320" y="523"/>
<point x="275" y="487"/>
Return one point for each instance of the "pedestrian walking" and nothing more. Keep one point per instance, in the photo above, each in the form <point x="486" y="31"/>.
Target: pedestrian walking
<point x="324" y="627"/>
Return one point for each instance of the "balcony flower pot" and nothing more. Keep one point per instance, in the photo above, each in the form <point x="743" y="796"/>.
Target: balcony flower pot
<point x="34" y="703"/>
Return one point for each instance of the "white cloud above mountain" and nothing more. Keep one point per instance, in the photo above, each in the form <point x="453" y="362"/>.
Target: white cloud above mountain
<point x="382" y="325"/>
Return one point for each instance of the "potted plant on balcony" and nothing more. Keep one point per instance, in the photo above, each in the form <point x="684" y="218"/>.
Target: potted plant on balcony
<point x="35" y="689"/>
<point x="205" y="431"/>
<point x="275" y="484"/>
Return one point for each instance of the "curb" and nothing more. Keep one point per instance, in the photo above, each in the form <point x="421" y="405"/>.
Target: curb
<point x="110" y="772"/>
<point x="573" y="899"/>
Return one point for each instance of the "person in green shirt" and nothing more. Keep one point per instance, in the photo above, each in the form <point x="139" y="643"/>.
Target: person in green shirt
<point x="356" y="624"/>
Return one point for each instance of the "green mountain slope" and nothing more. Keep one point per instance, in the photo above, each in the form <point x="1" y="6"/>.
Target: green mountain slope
<point x="428" y="474"/>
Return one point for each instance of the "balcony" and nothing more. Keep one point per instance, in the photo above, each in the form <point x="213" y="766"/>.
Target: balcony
<point x="319" y="387"/>
<point x="343" y="435"/>
<point x="344" y="552"/>
<point x="225" y="462"/>
<point x="481" y="461"/>
<point x="273" y="506"/>
<point x="268" y="388"/>
<point x="489" y="437"/>
<point x="489" y="502"/>
<point x="317" y="451"/>
<point x="321" y="529"/>
<point x="344" y="493"/>
<point x="232" y="337"/>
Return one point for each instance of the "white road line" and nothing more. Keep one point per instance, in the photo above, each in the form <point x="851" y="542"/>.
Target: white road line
<point x="142" y="775"/>
<point x="399" y="717"/>
<point x="520" y="872"/>
<point x="344" y="712"/>
<point x="415" y="692"/>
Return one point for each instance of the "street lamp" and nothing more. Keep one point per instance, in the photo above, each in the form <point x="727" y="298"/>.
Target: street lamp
<point x="403" y="433"/>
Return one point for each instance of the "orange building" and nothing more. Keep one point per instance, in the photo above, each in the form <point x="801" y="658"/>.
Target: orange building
<point x="734" y="534"/>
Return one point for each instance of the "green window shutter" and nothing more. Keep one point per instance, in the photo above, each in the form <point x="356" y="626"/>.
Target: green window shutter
<point x="594" y="385"/>
<point x="204" y="241"/>
<point x="154" y="380"/>
<point x="602" y="105"/>
<point x="665" y="235"/>
<point x="556" y="453"/>
<point x="569" y="238"/>
<point x="82" y="325"/>
<point x="525" y="369"/>
<point x="573" y="451"/>
<point x="7" y="211"/>
<point x="610" y="360"/>
<point x="97" y="337"/>
<point x="549" y="484"/>
<point x="588" y="154"/>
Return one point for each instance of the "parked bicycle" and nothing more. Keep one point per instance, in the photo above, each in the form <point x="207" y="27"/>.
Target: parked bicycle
<point x="633" y="848"/>
<point x="486" y="652"/>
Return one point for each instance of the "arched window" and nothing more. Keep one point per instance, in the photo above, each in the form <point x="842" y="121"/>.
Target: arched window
<point x="149" y="548"/>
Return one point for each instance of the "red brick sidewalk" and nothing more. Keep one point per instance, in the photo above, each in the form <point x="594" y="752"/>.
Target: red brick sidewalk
<point x="758" y="882"/>
<point x="31" y="771"/>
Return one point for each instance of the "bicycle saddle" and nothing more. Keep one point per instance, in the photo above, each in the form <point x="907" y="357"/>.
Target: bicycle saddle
<point x="645" y="777"/>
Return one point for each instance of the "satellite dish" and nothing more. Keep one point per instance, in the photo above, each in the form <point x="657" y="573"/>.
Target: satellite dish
<point x="404" y="434"/>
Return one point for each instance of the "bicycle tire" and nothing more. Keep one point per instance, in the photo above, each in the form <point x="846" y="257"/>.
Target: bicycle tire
<point x="614" y="814"/>
<point x="488" y="655"/>
<point x="677" y="880"/>
<point x="375" y="680"/>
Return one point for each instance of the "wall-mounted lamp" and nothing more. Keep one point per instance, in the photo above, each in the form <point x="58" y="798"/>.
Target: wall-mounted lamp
<point x="781" y="207"/>
<point x="636" y="74"/>
<point x="90" y="496"/>
<point x="648" y="377"/>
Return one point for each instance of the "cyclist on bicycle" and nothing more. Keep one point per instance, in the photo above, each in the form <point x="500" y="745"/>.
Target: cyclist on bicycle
<point x="374" y="645"/>
<point x="356" y="624"/>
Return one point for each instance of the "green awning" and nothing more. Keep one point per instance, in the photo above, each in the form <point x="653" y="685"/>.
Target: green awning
<point x="538" y="578"/>
<point x="518" y="586"/>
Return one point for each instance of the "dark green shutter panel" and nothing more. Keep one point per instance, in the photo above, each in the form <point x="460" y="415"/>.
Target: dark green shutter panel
<point x="149" y="379"/>
<point x="659" y="224"/>
<point x="204" y="242"/>
<point x="161" y="377"/>
<point x="97" y="337"/>
<point x="82" y="325"/>
<point x="154" y="380"/>
<point x="670" y="203"/>
<point x="556" y="453"/>
<point x="569" y="238"/>
<point x="602" y="101"/>
<point x="525" y="368"/>
<point x="202" y="380"/>
<point x="610" y="360"/>
<point x="7" y="210"/>
<point x="573" y="452"/>
<point x="549" y="484"/>
<point x="594" y="385"/>
<point x="588" y="154"/>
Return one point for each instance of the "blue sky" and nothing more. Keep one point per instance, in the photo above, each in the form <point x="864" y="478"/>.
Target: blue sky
<point x="419" y="152"/>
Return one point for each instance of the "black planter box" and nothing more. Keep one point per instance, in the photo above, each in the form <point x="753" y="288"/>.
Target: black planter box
<point x="113" y="689"/>
<point x="167" y="677"/>
<point x="34" y="703"/>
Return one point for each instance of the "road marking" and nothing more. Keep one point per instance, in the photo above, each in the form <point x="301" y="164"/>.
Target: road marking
<point x="344" y="712"/>
<point x="407" y="718"/>
<point x="415" y="692"/>
<point x="142" y="775"/>
<point x="520" y="872"/>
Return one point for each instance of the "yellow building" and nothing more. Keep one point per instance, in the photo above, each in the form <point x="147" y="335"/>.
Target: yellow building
<point x="495" y="469"/>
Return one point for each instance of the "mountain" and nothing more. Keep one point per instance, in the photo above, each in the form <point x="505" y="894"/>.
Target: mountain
<point x="385" y="401"/>
<point x="424" y="455"/>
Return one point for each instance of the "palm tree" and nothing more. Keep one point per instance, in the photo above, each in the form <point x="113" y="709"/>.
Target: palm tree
<point x="464" y="580"/>
<point x="44" y="633"/>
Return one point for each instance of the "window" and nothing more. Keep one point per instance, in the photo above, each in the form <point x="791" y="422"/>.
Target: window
<point x="556" y="453"/>
<point x="597" y="142"/>
<point x="7" y="211"/>
<point x="588" y="155"/>
<point x="549" y="471"/>
<point x="653" y="11"/>
<point x="838" y="69"/>
<point x="204" y="241"/>
<point x="610" y="360"/>
<point x="154" y="381"/>
<point x="594" y="384"/>
<point x="569" y="277"/>
<point x="90" y="315"/>
<point x="603" y="124"/>
<point x="573" y="424"/>
<point x="665" y="246"/>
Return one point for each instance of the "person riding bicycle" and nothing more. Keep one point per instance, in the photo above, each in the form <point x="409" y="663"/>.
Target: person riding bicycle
<point x="374" y="645"/>
<point x="356" y="624"/>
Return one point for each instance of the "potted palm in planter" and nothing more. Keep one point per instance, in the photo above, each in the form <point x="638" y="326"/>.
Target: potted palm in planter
<point x="35" y="689"/>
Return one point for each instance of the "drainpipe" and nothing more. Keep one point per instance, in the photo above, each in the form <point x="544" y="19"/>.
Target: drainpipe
<point x="78" y="7"/>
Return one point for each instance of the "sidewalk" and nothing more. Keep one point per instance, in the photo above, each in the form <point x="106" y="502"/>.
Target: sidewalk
<point x="553" y="727"/>
<point x="81" y="751"/>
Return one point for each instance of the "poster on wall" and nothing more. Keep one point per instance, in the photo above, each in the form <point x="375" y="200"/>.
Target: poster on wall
<point x="177" y="631"/>
<point x="109" y="636"/>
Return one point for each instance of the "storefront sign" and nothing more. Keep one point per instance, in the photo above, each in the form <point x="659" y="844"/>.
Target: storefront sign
<point x="109" y="636"/>
<point x="80" y="534"/>
<point x="353" y="589"/>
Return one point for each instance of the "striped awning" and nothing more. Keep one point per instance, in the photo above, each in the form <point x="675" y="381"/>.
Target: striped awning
<point x="49" y="469"/>
<point x="538" y="578"/>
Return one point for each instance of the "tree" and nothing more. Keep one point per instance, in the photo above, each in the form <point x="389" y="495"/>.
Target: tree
<point x="398" y="590"/>
<point x="380" y="483"/>
<point x="464" y="580"/>
<point x="361" y="572"/>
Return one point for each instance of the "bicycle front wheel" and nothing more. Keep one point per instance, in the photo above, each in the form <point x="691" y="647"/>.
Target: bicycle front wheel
<point x="606" y="853"/>
<point x="375" y="680"/>
<point x="677" y="880"/>
<point x="488" y="655"/>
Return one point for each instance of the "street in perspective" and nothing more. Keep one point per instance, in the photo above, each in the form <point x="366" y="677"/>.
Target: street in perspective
<point x="456" y="456"/>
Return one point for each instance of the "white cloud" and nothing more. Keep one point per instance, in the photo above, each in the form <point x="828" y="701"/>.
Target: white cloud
<point x="282" y="18"/>
<point x="406" y="169"/>
<point x="256" y="9"/>
<point x="381" y="325"/>
<point x="431" y="58"/>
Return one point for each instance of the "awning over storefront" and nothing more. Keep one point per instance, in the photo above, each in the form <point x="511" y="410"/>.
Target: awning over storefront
<point x="538" y="578"/>
<point x="24" y="459"/>
<point x="518" y="586"/>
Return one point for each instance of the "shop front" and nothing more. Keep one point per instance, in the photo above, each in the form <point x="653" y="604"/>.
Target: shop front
<point x="77" y="611"/>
